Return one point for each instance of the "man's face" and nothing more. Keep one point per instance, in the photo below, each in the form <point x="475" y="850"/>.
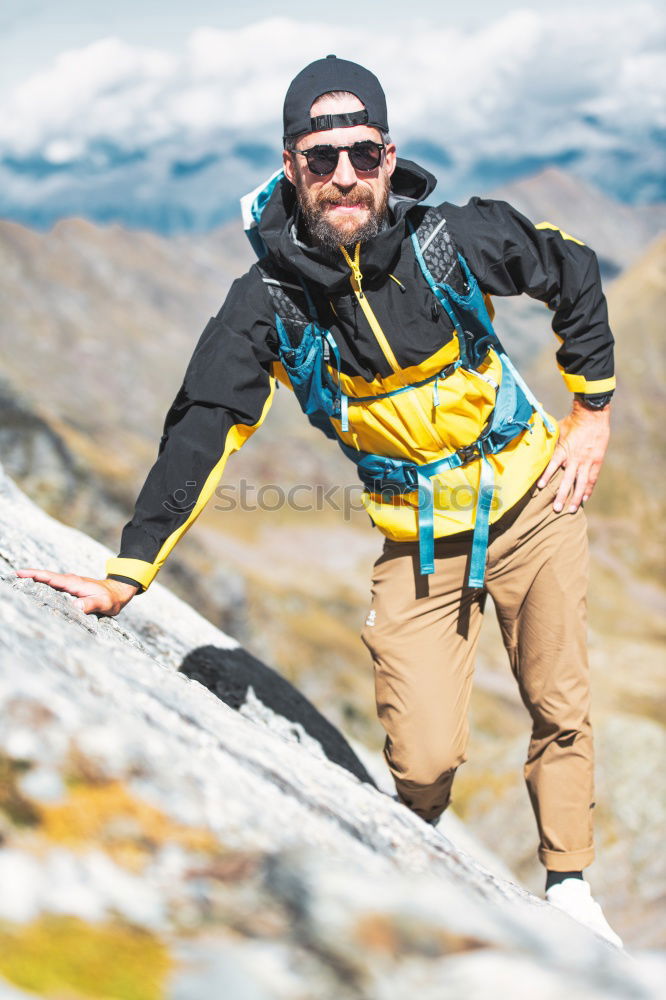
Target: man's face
<point x="345" y="206"/>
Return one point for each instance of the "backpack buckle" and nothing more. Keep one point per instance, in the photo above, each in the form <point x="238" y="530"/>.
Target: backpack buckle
<point x="469" y="453"/>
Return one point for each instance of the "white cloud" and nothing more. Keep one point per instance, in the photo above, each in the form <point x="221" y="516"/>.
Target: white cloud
<point x="510" y="74"/>
<point x="526" y="85"/>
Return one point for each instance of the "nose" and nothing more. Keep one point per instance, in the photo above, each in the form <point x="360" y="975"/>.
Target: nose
<point x="344" y="174"/>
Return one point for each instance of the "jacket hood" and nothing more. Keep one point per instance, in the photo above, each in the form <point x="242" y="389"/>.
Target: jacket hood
<point x="410" y="184"/>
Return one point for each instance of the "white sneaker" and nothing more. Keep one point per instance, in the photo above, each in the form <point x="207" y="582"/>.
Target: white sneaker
<point x="573" y="895"/>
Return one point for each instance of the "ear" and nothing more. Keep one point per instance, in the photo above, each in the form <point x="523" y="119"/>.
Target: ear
<point x="288" y="164"/>
<point x="390" y="158"/>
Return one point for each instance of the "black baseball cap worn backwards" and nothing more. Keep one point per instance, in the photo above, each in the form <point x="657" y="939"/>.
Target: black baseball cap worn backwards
<point x="323" y="76"/>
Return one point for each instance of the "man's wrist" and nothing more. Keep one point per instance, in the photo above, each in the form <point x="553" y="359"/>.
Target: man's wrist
<point x="127" y="580"/>
<point x="593" y="401"/>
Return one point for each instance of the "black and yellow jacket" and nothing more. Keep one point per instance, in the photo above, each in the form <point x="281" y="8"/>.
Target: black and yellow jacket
<point x="230" y="380"/>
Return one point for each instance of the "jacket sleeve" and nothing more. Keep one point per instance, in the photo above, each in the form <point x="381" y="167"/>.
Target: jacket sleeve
<point x="225" y="395"/>
<point x="510" y="255"/>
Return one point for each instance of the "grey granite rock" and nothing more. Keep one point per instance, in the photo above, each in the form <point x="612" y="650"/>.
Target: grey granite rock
<point x="269" y="869"/>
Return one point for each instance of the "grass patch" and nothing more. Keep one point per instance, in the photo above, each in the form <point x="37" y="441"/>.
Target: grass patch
<point x="68" y="959"/>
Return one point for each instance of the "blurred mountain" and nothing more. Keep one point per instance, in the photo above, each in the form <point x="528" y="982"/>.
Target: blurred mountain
<point x="104" y="307"/>
<point x="160" y="189"/>
<point x="618" y="233"/>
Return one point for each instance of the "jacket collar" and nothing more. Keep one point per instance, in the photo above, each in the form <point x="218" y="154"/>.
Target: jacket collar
<point x="279" y="229"/>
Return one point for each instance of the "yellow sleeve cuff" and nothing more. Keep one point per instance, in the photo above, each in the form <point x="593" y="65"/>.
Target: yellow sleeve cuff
<point x="578" y="383"/>
<point x="137" y="569"/>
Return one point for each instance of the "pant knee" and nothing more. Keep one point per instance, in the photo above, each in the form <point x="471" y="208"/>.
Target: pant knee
<point x="427" y="793"/>
<point x="564" y="730"/>
<point x="422" y="768"/>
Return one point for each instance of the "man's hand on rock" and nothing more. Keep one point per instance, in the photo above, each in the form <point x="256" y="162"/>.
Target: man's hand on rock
<point x="105" y="597"/>
<point x="580" y="449"/>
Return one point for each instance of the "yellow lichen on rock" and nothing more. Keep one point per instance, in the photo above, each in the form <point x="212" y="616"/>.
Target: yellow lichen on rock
<point x="127" y="828"/>
<point x="66" y="957"/>
<point x="16" y="807"/>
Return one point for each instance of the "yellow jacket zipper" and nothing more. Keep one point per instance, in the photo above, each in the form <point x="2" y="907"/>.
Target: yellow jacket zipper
<point x="355" y="279"/>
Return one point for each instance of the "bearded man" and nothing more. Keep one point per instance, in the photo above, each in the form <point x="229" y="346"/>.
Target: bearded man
<point x="374" y="308"/>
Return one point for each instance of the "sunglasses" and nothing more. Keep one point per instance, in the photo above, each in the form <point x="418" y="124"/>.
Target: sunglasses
<point x="363" y="156"/>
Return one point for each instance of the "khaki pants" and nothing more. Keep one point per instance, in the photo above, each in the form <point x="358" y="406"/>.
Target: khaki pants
<point x="422" y="633"/>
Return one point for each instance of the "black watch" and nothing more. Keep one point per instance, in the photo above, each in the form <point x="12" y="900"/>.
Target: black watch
<point x="597" y="401"/>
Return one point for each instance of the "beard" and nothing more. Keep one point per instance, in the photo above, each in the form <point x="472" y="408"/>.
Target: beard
<point x="346" y="232"/>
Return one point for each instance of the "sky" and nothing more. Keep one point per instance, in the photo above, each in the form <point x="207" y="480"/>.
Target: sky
<point x="33" y="32"/>
<point x="136" y="108"/>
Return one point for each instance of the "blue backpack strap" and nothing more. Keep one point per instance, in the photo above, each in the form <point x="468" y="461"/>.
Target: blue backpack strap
<point x="289" y="304"/>
<point x="426" y="510"/>
<point x="484" y="503"/>
<point x="438" y="249"/>
<point x="252" y="205"/>
<point x="437" y="291"/>
<point x="454" y="286"/>
<point x="426" y="514"/>
<point x="401" y="476"/>
<point x="294" y="315"/>
<point x="531" y="398"/>
<point x="329" y="348"/>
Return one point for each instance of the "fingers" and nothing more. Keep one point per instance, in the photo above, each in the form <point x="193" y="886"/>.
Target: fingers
<point x="565" y="487"/>
<point x="59" y="581"/>
<point x="93" y="595"/>
<point x="582" y="479"/>
<point x="556" y="461"/>
<point x="79" y="587"/>
<point x="43" y="575"/>
<point x="592" y="477"/>
<point x="90" y="604"/>
<point x="70" y="582"/>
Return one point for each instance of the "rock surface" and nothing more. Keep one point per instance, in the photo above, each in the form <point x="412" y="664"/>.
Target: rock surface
<point x="195" y="847"/>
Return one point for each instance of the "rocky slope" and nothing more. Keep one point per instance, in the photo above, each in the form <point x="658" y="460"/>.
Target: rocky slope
<point x="168" y="838"/>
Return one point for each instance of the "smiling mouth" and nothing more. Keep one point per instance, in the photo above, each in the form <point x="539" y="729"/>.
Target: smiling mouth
<point x="342" y="206"/>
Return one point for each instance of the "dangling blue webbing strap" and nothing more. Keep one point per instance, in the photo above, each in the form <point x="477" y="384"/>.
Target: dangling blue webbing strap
<point x="344" y="412"/>
<point x="484" y="502"/>
<point x="426" y="515"/>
